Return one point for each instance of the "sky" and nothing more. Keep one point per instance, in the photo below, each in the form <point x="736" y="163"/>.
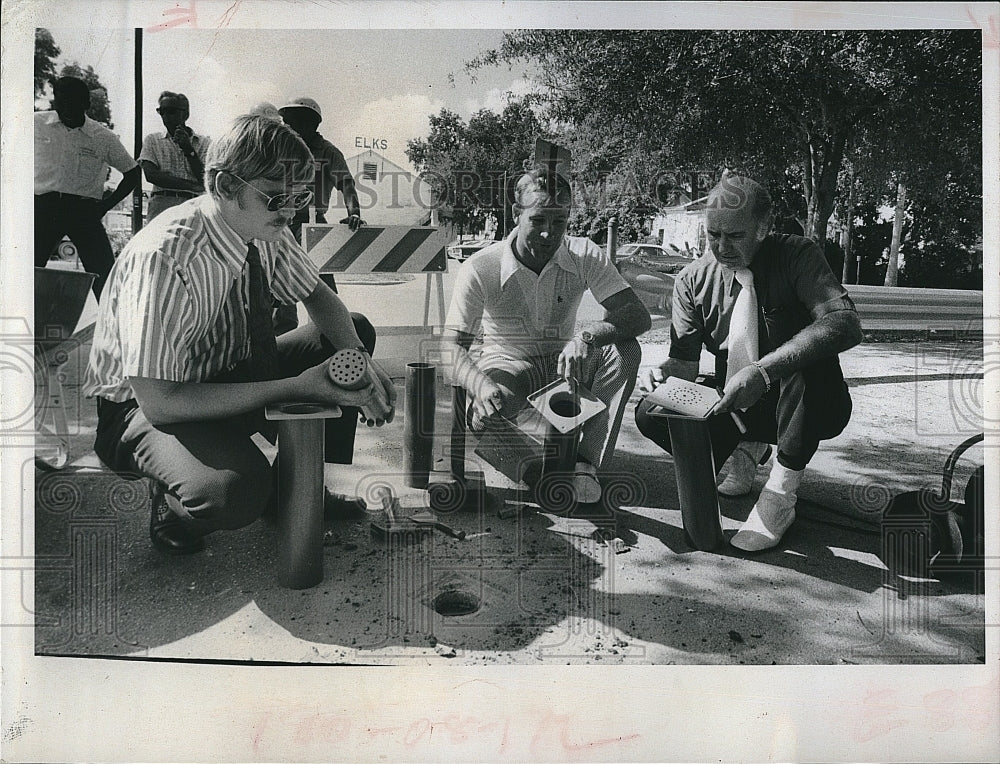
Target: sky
<point x="370" y="84"/>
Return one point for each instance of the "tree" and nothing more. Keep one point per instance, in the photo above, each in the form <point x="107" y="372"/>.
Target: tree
<point x="46" y="52"/>
<point x="759" y="102"/>
<point x="899" y="211"/>
<point x="472" y="166"/>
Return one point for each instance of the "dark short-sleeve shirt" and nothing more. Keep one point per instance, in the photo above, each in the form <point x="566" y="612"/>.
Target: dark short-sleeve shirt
<point x="331" y="171"/>
<point x="794" y="286"/>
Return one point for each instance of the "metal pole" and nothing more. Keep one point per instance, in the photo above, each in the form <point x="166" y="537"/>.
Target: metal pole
<point x="418" y="423"/>
<point x="137" y="139"/>
<point x="612" y="239"/>
<point x="300" y="521"/>
<point x="694" y="467"/>
<point x="458" y="425"/>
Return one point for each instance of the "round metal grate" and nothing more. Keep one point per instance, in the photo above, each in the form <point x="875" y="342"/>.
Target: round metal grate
<point x="349" y="369"/>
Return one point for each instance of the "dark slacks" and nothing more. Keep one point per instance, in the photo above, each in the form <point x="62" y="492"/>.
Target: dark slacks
<point x="79" y="218"/>
<point x="799" y="412"/>
<point x="212" y="470"/>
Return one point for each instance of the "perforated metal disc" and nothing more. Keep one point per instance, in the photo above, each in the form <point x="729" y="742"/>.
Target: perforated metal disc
<point x="682" y="397"/>
<point x="348" y="369"/>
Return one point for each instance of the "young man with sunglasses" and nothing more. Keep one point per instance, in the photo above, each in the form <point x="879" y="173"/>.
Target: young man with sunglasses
<point x="174" y="160"/>
<point x="184" y="358"/>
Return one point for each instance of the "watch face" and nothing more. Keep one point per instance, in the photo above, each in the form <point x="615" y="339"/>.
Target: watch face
<point x="587" y="337"/>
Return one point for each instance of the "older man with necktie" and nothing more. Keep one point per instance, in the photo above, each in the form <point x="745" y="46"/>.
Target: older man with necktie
<point x="775" y="317"/>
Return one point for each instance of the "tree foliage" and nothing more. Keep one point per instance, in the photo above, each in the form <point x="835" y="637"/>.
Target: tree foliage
<point x="467" y="164"/>
<point x="787" y="107"/>
<point x="46" y="54"/>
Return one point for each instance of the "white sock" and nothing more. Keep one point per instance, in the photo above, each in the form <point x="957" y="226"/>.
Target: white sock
<point x="784" y="481"/>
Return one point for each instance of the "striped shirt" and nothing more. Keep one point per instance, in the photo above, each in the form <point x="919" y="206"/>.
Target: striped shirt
<point x="160" y="149"/>
<point x="175" y="305"/>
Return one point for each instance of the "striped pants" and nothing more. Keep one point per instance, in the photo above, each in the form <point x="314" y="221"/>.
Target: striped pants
<point x="610" y="375"/>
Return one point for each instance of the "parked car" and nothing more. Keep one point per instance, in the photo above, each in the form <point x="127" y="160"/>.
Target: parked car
<point x="655" y="257"/>
<point x="463" y="250"/>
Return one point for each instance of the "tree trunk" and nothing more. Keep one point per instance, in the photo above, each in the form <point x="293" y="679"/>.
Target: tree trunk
<point x="822" y="181"/>
<point x="847" y="235"/>
<point x="892" y="271"/>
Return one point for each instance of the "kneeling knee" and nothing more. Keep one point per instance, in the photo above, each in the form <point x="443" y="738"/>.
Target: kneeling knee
<point x="230" y="500"/>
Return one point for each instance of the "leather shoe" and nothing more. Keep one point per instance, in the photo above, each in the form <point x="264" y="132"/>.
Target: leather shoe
<point x="743" y="468"/>
<point x="337" y="506"/>
<point x="168" y="532"/>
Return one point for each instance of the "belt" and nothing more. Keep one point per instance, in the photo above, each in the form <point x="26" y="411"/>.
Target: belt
<point x="63" y="195"/>
<point x="178" y="194"/>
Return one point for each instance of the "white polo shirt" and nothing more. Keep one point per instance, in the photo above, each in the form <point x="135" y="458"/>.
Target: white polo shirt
<point x="76" y="160"/>
<point x="524" y="314"/>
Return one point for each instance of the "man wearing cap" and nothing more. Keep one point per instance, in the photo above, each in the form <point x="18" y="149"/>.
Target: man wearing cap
<point x="174" y="160"/>
<point x="522" y="295"/>
<point x="303" y="115"/>
<point x="775" y="317"/>
<point x="72" y="156"/>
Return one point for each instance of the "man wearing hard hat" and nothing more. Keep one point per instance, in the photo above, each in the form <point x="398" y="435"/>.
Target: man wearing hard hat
<point x="303" y="115"/>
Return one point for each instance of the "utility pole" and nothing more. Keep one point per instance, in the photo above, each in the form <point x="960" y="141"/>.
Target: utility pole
<point x="137" y="142"/>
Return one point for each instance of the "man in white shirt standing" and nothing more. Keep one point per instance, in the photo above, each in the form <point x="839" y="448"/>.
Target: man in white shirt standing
<point x="523" y="294"/>
<point x="72" y="156"/>
<point x="174" y="160"/>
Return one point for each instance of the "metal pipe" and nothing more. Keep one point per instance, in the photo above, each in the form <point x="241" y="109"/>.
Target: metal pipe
<point x="300" y="521"/>
<point x="612" y="239"/>
<point x="694" y="468"/>
<point x="418" y="423"/>
<point x="458" y="427"/>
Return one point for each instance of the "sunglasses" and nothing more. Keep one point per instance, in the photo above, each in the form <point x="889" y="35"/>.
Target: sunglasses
<point x="281" y="201"/>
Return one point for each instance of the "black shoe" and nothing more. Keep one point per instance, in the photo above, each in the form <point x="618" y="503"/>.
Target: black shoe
<point x="168" y="532"/>
<point x="337" y="506"/>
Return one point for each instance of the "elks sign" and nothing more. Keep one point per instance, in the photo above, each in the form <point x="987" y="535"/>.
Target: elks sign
<point x="361" y="142"/>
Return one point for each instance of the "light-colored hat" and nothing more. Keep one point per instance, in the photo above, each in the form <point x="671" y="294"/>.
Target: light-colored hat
<point x="265" y="109"/>
<point x="303" y="103"/>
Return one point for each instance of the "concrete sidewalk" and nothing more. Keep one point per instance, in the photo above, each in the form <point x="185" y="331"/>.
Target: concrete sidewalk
<point x="547" y="591"/>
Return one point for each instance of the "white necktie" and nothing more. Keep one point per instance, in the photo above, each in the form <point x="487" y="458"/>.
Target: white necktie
<point x="742" y="344"/>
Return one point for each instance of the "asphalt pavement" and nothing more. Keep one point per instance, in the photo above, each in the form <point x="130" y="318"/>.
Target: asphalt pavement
<point x="543" y="588"/>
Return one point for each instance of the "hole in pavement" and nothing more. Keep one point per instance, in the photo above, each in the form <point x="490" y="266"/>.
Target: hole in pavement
<point x="456" y="602"/>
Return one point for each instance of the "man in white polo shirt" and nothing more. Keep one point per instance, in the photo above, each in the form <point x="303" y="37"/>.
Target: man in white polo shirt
<point x="72" y="156"/>
<point x="522" y="295"/>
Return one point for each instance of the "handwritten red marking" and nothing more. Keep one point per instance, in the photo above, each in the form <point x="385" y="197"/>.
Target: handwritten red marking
<point x="991" y="34"/>
<point x="878" y="715"/>
<point x="191" y="18"/>
<point x="974" y="707"/>
<point x="551" y="724"/>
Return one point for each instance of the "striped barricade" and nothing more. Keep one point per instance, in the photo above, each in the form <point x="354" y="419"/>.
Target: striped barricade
<point x="376" y="249"/>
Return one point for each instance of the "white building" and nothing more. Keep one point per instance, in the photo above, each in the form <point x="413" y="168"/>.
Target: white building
<point x="682" y="227"/>
<point x="389" y="194"/>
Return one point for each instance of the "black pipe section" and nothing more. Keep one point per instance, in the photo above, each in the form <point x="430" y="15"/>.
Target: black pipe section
<point x="418" y="423"/>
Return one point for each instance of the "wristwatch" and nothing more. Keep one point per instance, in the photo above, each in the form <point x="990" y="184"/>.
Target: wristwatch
<point x="587" y="337"/>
